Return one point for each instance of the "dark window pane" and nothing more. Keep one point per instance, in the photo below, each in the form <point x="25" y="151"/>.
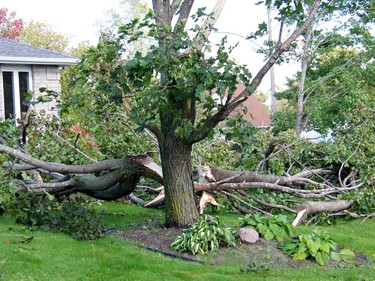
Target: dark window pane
<point x="24" y="88"/>
<point x="8" y="94"/>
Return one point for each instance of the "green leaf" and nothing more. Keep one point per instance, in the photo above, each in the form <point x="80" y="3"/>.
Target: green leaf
<point x="335" y="256"/>
<point x="301" y="256"/>
<point x="277" y="231"/>
<point x="313" y="247"/>
<point x="322" y="258"/>
<point x="325" y="247"/>
<point x="251" y="221"/>
<point x="268" y="235"/>
<point x="262" y="228"/>
<point x="347" y="254"/>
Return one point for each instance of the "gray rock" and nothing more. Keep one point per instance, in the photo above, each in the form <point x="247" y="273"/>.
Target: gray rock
<point x="248" y="235"/>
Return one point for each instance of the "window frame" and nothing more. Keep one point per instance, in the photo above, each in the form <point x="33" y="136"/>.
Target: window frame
<point x="16" y="87"/>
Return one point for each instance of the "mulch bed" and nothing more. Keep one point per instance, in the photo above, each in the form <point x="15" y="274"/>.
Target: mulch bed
<point x="154" y="236"/>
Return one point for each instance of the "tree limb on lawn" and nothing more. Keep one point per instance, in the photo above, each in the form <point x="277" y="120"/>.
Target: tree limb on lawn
<point x="311" y="207"/>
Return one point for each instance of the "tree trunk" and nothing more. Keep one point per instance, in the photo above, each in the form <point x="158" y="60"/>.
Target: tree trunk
<point x="298" y="127"/>
<point x="180" y="203"/>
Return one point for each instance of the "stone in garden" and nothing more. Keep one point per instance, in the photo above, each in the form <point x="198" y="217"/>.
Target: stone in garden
<point x="248" y="235"/>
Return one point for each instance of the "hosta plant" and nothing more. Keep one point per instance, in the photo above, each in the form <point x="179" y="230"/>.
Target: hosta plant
<point x="269" y="227"/>
<point x="316" y="244"/>
<point x="203" y="237"/>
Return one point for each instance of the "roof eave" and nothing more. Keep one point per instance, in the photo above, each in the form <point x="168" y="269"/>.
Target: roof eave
<point x="35" y="60"/>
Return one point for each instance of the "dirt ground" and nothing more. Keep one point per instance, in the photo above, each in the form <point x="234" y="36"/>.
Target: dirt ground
<point x="259" y="256"/>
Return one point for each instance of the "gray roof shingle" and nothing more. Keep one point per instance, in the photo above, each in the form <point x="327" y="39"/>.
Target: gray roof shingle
<point x="15" y="52"/>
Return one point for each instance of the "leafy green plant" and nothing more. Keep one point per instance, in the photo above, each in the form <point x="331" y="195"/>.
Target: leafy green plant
<point x="316" y="244"/>
<point x="6" y="194"/>
<point x="203" y="237"/>
<point x="46" y="213"/>
<point x="269" y="227"/>
<point x="363" y="200"/>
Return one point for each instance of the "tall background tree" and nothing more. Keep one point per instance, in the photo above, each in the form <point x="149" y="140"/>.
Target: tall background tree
<point x="42" y="35"/>
<point x="330" y="29"/>
<point x="335" y="78"/>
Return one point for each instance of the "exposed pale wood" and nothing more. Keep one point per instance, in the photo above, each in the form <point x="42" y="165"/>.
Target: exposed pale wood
<point x="311" y="207"/>
<point x="208" y="24"/>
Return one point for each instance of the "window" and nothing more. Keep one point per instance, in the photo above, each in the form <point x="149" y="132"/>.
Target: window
<point x="15" y="86"/>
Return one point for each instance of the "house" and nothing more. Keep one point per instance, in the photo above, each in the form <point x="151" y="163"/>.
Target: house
<point x="24" y="68"/>
<point x="256" y="114"/>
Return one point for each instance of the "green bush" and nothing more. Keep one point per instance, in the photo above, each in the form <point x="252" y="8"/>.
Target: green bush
<point x="203" y="237"/>
<point x="316" y="244"/>
<point x="269" y="227"/>
<point x="363" y="200"/>
<point x="6" y="194"/>
<point x="46" y="213"/>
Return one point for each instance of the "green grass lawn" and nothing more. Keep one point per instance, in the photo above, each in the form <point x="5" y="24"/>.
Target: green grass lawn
<point x="56" y="256"/>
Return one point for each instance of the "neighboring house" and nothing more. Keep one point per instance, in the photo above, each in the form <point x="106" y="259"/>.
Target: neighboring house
<point x="257" y="114"/>
<point x="24" y="68"/>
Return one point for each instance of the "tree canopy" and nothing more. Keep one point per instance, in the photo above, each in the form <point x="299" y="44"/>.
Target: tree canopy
<point x="10" y="26"/>
<point x="42" y="35"/>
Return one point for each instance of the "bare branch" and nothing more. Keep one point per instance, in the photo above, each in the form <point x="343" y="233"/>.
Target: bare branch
<point x="184" y="13"/>
<point x="74" y="148"/>
<point x="343" y="163"/>
<point x="77" y="169"/>
<point x="208" y="24"/>
<point x="156" y="131"/>
<point x="245" y="203"/>
<point x="266" y="203"/>
<point x="214" y="185"/>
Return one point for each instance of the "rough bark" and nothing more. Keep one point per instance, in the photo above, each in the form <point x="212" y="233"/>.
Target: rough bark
<point x="178" y="182"/>
<point x="120" y="176"/>
<point x="251" y="176"/>
<point x="116" y="178"/>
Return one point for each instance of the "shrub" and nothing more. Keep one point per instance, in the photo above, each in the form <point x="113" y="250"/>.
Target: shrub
<point x="6" y="194"/>
<point x="316" y="245"/>
<point x="269" y="227"/>
<point x="46" y="213"/>
<point x="203" y="237"/>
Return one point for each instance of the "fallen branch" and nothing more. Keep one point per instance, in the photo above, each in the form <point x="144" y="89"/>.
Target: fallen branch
<point x="311" y="207"/>
<point x="245" y="203"/>
<point x="269" y="205"/>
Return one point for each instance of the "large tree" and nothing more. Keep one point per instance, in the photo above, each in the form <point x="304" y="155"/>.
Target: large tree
<point x="42" y="35"/>
<point x="169" y="92"/>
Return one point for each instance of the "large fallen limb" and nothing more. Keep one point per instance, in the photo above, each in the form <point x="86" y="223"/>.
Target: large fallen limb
<point x="311" y="207"/>
<point x="112" y="179"/>
<point x="251" y="176"/>
<point x="115" y="179"/>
